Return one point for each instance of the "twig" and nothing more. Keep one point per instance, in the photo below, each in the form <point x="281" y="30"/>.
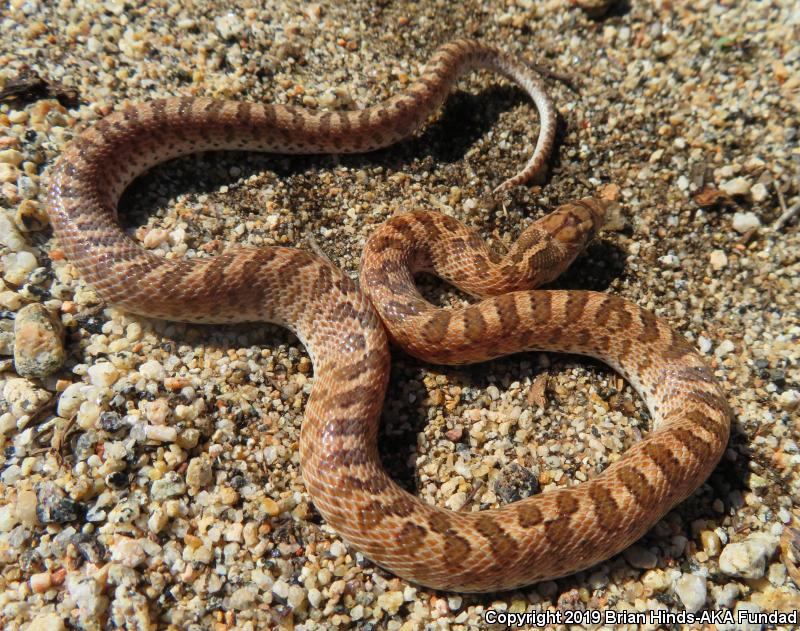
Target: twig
<point x="781" y="200"/>
<point x="558" y="76"/>
<point x="787" y="216"/>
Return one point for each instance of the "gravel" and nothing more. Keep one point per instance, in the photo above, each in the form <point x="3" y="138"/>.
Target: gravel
<point x="149" y="473"/>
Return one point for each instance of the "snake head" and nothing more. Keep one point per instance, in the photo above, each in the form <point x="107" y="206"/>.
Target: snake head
<point x="574" y="224"/>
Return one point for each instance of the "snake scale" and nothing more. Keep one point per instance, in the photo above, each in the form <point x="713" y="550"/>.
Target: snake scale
<point x="342" y="326"/>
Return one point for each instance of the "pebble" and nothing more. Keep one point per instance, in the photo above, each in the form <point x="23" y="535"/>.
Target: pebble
<point x="745" y="222"/>
<point x="38" y="342"/>
<point x="391" y="602"/>
<point x="736" y="186"/>
<point x="17" y="266"/>
<point x="199" y="472"/>
<point x="54" y="507"/>
<point x="640" y="557"/>
<point x="725" y="348"/>
<point x="24" y="397"/>
<point x="759" y="192"/>
<point x="748" y="558"/>
<point x="718" y="259"/>
<point x="47" y="622"/>
<point x="171" y="485"/>
<point x="103" y="374"/>
<point x="691" y="589"/>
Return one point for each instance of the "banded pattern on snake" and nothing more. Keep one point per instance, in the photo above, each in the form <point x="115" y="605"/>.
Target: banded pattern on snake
<point x="546" y="536"/>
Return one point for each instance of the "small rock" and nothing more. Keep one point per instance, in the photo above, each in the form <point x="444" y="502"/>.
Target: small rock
<point x="515" y="483"/>
<point x="129" y="552"/>
<point x="718" y="259"/>
<point x="38" y="342"/>
<point x="759" y="192"/>
<point x="736" y="186"/>
<point x="26" y="508"/>
<point x="54" y="507"/>
<point x="745" y="222"/>
<point x="640" y="557"/>
<point x="161" y="433"/>
<point x="24" y="397"/>
<point x="199" y="472"/>
<point x="691" y="589"/>
<point x="41" y="582"/>
<point x="171" y="485"/>
<point x="704" y="344"/>
<point x="711" y="543"/>
<point x="748" y="558"/>
<point x="243" y="598"/>
<point x="11" y="156"/>
<point x="670" y="261"/>
<point x="789" y="399"/>
<point x="46" y="622"/>
<point x="103" y="374"/>
<point x="17" y="266"/>
<point x="390" y="602"/>
<point x="725" y="348"/>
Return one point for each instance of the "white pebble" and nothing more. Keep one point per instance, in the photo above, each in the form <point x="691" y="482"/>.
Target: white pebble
<point x="161" y="433"/>
<point x="789" y="399"/>
<point x="152" y="370"/>
<point x="748" y="558"/>
<point x="128" y="552"/>
<point x="744" y="222"/>
<point x="104" y="374"/>
<point x="718" y="259"/>
<point x="759" y="192"/>
<point x="691" y="589"/>
<point x="736" y="186"/>
<point x="725" y="348"/>
<point x="670" y="260"/>
<point x="11" y="156"/>
<point x="70" y="399"/>
<point x="17" y="266"/>
<point x="705" y="344"/>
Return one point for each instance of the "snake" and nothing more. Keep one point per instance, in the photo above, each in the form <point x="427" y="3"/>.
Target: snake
<point x="347" y="327"/>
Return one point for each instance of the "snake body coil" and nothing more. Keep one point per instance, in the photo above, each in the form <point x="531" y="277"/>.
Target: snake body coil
<point x="546" y="536"/>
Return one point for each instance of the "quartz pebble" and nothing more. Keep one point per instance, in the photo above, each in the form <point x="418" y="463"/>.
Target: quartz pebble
<point x="38" y="342"/>
<point x="745" y="222"/>
<point x="748" y="558"/>
<point x="691" y="589"/>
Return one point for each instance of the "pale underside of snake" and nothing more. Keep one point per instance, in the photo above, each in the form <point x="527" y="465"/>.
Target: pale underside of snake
<point x="546" y="536"/>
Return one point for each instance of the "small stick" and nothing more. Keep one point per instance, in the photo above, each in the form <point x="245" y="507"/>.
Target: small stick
<point x="787" y="216"/>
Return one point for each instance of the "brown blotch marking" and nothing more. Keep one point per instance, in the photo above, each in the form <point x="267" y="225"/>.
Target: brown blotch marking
<point x="386" y="242"/>
<point x="402" y="506"/>
<point x="403" y="226"/>
<point x="324" y="124"/>
<point x="576" y="304"/>
<point x="371" y="515"/>
<point x="705" y="421"/>
<point x="440" y="522"/>
<point x="374" y="485"/>
<point x="244" y="113"/>
<point x="541" y="307"/>
<point x="427" y="220"/>
<point x="605" y="506"/>
<point x="159" y="109"/>
<point x="374" y="360"/>
<point x="437" y="326"/>
<point x="364" y="118"/>
<point x="412" y="536"/>
<point x="324" y="282"/>
<point x="662" y="457"/>
<point x="456" y="549"/>
<point x="649" y="324"/>
<point x="678" y="346"/>
<point x="474" y="324"/>
<point x="712" y="400"/>
<point x="503" y="545"/>
<point x="354" y="396"/>
<point x="637" y="484"/>
<point x="342" y="124"/>
<point x="698" y="447"/>
<point x="603" y="343"/>
<point x="528" y="515"/>
<point x="506" y="308"/>
<point x="559" y="527"/>
<point x="348" y="457"/>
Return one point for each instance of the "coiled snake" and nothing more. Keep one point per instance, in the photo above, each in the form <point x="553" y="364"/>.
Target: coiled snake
<point x="546" y="536"/>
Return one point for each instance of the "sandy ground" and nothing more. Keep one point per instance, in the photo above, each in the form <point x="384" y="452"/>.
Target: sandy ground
<point x="687" y="112"/>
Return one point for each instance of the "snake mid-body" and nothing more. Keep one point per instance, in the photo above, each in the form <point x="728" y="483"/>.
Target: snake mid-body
<point x="549" y="535"/>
